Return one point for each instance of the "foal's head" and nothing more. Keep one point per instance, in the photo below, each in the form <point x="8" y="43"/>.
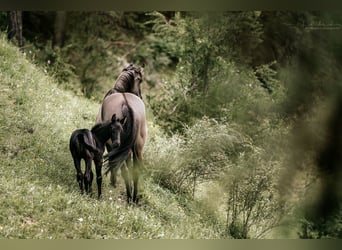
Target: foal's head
<point x="116" y="126"/>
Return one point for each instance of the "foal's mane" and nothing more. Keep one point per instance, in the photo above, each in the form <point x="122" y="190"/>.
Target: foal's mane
<point x="99" y="126"/>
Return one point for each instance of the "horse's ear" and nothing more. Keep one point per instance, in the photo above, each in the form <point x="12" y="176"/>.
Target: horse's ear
<point x="129" y="67"/>
<point x="141" y="69"/>
<point x="114" y="118"/>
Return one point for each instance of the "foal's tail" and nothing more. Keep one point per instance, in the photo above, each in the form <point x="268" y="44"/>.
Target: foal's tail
<point x="84" y="139"/>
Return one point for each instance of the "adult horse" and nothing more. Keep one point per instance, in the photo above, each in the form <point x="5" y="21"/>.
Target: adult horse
<point x="129" y="108"/>
<point x="89" y="145"/>
<point x="129" y="81"/>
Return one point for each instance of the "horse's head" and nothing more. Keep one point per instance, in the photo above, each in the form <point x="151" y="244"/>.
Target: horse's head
<point x="116" y="130"/>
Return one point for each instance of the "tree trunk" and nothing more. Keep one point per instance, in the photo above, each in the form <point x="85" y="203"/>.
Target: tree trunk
<point x="59" y="28"/>
<point x="15" y="27"/>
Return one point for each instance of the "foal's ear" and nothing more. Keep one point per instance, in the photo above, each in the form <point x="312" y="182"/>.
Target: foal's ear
<point x="123" y="120"/>
<point x="114" y="118"/>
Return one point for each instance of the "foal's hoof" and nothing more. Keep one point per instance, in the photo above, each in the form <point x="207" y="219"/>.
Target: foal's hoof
<point x="136" y="200"/>
<point x="113" y="182"/>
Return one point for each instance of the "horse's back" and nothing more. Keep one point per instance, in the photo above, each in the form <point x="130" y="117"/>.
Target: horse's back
<point x="113" y="104"/>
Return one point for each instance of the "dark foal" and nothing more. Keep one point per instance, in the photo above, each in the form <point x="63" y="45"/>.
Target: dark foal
<point x="89" y="146"/>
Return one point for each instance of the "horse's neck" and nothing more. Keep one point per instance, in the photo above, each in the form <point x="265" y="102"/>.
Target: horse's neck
<point x="120" y="87"/>
<point x="124" y="83"/>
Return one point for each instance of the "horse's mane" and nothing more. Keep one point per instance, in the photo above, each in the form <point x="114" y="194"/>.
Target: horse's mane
<point x="117" y="155"/>
<point x="125" y="81"/>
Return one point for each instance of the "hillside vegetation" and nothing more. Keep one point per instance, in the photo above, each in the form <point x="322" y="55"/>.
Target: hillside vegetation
<point x="243" y="113"/>
<point x="39" y="194"/>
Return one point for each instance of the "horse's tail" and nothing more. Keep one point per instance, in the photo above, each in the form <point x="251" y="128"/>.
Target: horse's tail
<point x="115" y="158"/>
<point x="85" y="140"/>
<point x="118" y="155"/>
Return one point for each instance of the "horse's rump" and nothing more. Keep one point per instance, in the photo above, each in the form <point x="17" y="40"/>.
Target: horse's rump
<point x="131" y="109"/>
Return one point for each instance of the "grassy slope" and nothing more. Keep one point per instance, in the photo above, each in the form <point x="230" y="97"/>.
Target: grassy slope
<point x="39" y="197"/>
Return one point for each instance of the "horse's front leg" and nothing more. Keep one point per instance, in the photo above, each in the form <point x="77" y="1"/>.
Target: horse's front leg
<point x="98" y="167"/>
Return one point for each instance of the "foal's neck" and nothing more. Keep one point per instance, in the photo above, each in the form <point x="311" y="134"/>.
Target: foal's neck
<point x="101" y="136"/>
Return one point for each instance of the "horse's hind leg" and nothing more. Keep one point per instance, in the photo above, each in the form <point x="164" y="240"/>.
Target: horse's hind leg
<point x="126" y="176"/>
<point x="135" y="182"/>
<point x="137" y="157"/>
<point x="113" y="172"/>
<point x="88" y="176"/>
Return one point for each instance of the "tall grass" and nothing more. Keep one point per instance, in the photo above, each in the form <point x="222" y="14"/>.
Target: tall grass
<point x="39" y="196"/>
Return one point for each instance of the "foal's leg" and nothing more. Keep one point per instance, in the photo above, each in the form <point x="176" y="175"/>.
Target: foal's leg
<point x="113" y="172"/>
<point x="88" y="175"/>
<point x="98" y="167"/>
<point x="79" y="175"/>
